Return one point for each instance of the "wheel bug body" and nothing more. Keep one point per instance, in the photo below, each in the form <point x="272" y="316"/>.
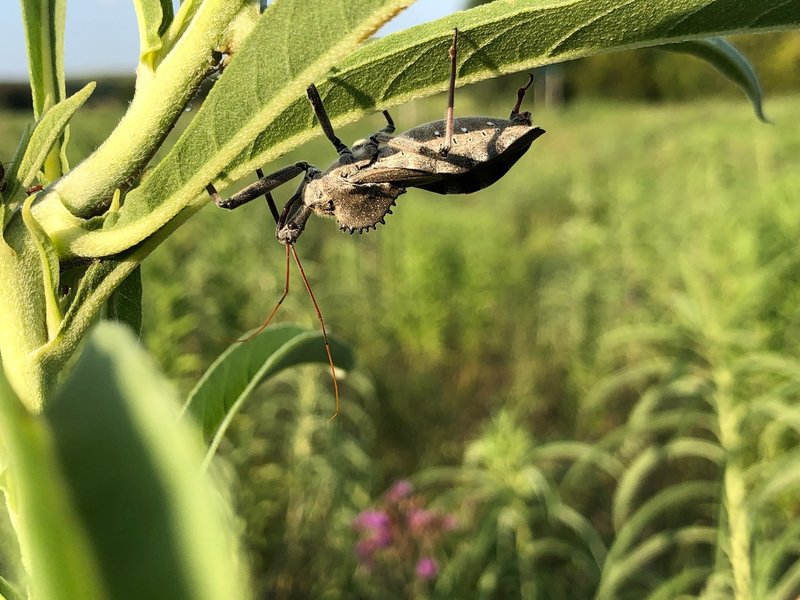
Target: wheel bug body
<point x="483" y="150"/>
<point x="453" y="156"/>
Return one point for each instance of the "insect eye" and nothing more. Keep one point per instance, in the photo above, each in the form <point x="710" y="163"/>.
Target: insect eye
<point x="328" y="206"/>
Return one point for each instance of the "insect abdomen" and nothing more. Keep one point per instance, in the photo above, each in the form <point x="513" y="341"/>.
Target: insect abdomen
<point x="484" y="173"/>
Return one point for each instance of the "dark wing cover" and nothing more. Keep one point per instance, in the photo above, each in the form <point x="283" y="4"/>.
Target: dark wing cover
<point x="481" y="175"/>
<point x="476" y="177"/>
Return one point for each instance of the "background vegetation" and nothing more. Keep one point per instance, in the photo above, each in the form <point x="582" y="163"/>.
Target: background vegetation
<point x="590" y="368"/>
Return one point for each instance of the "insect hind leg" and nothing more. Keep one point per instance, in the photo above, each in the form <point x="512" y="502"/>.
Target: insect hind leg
<point x="451" y="96"/>
<point x="520" y="95"/>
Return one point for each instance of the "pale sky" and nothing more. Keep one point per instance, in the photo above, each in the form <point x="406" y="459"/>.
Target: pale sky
<point x="101" y="36"/>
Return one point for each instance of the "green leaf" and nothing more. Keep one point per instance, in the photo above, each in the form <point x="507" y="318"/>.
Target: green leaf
<point x="55" y="549"/>
<point x="620" y="562"/>
<point x="125" y="304"/>
<point x="730" y="62"/>
<point x="10" y="183"/>
<point x="258" y="109"/>
<point x="180" y="22"/>
<point x="159" y="101"/>
<point x="303" y="40"/>
<point x="154" y="18"/>
<point x="154" y="522"/>
<point x="46" y="133"/>
<point x="50" y="268"/>
<point x="44" y="36"/>
<point x="681" y="583"/>
<point x="497" y="38"/>
<point x="8" y="591"/>
<point x="242" y="367"/>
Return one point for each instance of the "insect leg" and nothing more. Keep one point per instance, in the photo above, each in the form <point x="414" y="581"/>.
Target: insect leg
<point x="451" y="98"/>
<point x="280" y="219"/>
<point x="345" y="155"/>
<point x="268" y="197"/>
<point x="368" y="149"/>
<point x="521" y="95"/>
<point x="389" y="129"/>
<point x="262" y="186"/>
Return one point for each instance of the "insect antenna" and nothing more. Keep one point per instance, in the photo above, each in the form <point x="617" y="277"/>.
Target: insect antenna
<point x="451" y="98"/>
<point x="280" y="218"/>
<point x="321" y="324"/>
<point x="267" y="321"/>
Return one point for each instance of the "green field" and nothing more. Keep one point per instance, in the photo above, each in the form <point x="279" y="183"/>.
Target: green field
<point x="592" y="364"/>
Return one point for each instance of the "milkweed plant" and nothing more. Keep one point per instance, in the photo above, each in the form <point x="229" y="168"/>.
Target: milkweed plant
<point x="102" y="475"/>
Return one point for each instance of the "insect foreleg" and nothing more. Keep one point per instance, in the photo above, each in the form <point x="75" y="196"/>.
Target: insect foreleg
<point x="322" y="326"/>
<point x="262" y="186"/>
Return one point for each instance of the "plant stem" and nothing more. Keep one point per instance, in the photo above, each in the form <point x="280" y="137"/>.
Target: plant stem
<point x="735" y="502"/>
<point x="159" y="100"/>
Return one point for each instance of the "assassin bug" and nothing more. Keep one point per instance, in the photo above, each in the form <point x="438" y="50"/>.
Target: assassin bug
<point x="453" y="156"/>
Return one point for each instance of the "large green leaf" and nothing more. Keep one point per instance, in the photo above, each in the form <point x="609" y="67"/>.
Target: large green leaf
<point x="503" y="37"/>
<point x="55" y="549"/>
<point x="258" y="110"/>
<point x="125" y="304"/>
<point x="154" y="522"/>
<point x="231" y="379"/>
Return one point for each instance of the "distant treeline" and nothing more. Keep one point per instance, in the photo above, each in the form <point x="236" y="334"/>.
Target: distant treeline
<point x="648" y="74"/>
<point x="17" y="96"/>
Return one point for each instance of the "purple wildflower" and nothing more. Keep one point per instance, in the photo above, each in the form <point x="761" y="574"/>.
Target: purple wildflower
<point x="399" y="491"/>
<point x="427" y="568"/>
<point x="419" y="519"/>
<point x="372" y="519"/>
<point x="382" y="538"/>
